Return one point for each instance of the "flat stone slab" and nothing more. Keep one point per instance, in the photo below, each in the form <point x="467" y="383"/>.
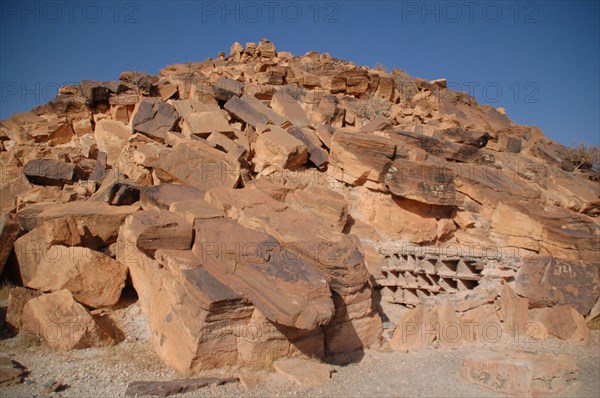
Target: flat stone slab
<point x="161" y="197"/>
<point x="286" y="289"/>
<point x="520" y="373"/>
<point x="302" y="371"/>
<point x="11" y="372"/>
<point x="168" y="388"/>
<point x="52" y="172"/>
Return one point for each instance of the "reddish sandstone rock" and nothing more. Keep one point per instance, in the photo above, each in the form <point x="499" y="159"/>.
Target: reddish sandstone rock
<point x="93" y="278"/>
<point x="548" y="281"/>
<point x="521" y="373"/>
<point x="564" y="322"/>
<point x="303" y="372"/>
<point x="62" y="323"/>
<point x="280" y="284"/>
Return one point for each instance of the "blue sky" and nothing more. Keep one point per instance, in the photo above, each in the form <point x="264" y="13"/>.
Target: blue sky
<point x="540" y="60"/>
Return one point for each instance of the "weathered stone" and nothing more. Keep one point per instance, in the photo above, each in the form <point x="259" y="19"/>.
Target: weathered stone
<point x="289" y="107"/>
<point x="244" y="111"/>
<point x="11" y="372"/>
<point x="154" y="118"/>
<point x="172" y="387"/>
<point x="159" y="230"/>
<point x="17" y="298"/>
<point x="427" y="183"/>
<point x="548" y="281"/>
<point x="449" y="332"/>
<point x="93" y="278"/>
<point x="204" y="123"/>
<point x="335" y="253"/>
<point x="12" y="181"/>
<point x="199" y="165"/>
<point x="302" y="371"/>
<point x="266" y="49"/>
<point x="276" y="147"/>
<point x="52" y="172"/>
<point x="96" y="91"/>
<point x="521" y="373"/>
<point x="323" y="203"/>
<point x="227" y="145"/>
<point x="564" y="322"/>
<point x="316" y="154"/>
<point x="195" y="209"/>
<point x="193" y="318"/>
<point x="358" y="157"/>
<point x="280" y="284"/>
<point x="260" y="107"/>
<point x="414" y="330"/>
<point x="62" y="323"/>
<point x="9" y="231"/>
<point x="225" y="89"/>
<point x="161" y="197"/>
<point x="166" y="90"/>
<point x="111" y="136"/>
<point x="513" y="312"/>
<point x="96" y="220"/>
<point x="394" y="218"/>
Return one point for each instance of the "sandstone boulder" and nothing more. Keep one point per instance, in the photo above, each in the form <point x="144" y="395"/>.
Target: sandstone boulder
<point x="204" y="123"/>
<point x="564" y="322"/>
<point x="154" y="118"/>
<point x="548" y="281"/>
<point x="302" y="371"/>
<point x="161" y="197"/>
<point x="276" y="147"/>
<point x="62" y="323"/>
<point x="93" y="278"/>
<point x="160" y="229"/>
<point x="9" y="231"/>
<point x="199" y="165"/>
<point x="111" y="136"/>
<point x="245" y="112"/>
<point x="281" y="285"/>
<point x="17" y="298"/>
<point x="52" y="172"/>
<point x="289" y="108"/>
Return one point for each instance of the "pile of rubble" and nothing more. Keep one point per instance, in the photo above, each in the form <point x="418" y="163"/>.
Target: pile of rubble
<point x="256" y="200"/>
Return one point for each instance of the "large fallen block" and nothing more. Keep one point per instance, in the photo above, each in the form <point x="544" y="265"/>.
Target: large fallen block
<point x="197" y="164"/>
<point x="62" y="323"/>
<point x="93" y="278"/>
<point x="284" y="288"/>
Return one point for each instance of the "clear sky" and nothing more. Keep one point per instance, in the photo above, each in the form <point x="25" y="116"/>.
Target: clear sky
<point x="540" y="60"/>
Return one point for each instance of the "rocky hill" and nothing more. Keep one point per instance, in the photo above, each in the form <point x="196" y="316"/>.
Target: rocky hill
<point x="292" y="196"/>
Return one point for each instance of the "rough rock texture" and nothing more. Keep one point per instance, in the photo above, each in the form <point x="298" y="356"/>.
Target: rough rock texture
<point x="62" y="323"/>
<point x="286" y="289"/>
<point x="549" y="281"/>
<point x="93" y="278"/>
<point x="521" y="373"/>
<point x="365" y="185"/>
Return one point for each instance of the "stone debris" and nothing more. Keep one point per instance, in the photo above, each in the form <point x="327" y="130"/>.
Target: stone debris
<point x="303" y="372"/>
<point x="520" y="373"/>
<point x="168" y="388"/>
<point x="11" y="372"/>
<point x="261" y="205"/>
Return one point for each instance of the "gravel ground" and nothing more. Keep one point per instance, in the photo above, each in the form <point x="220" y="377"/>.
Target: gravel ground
<point x="433" y="372"/>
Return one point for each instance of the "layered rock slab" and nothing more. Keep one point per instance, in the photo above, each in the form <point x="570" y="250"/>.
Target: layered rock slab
<point x="284" y="288"/>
